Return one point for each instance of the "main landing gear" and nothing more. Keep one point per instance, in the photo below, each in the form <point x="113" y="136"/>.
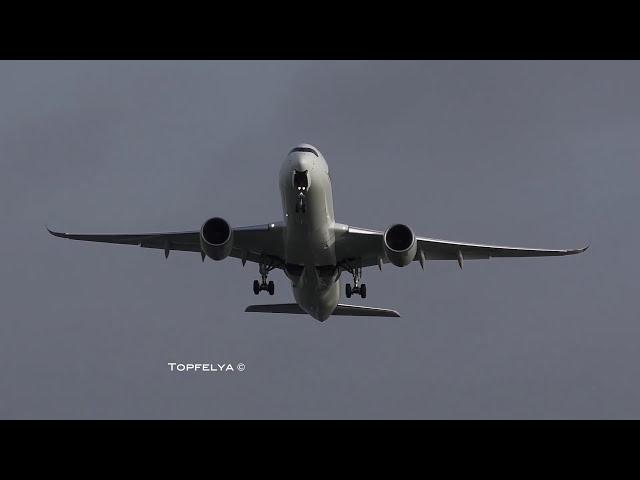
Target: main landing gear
<point x="358" y="288"/>
<point x="260" y="286"/>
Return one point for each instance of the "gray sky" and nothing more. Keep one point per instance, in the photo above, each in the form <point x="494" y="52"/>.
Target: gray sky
<point x="539" y="154"/>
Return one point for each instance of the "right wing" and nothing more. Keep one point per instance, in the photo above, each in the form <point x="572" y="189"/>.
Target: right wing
<point x="257" y="243"/>
<point x="365" y="248"/>
<point x="448" y="250"/>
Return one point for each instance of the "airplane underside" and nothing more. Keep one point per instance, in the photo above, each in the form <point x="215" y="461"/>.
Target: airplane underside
<point x="311" y="248"/>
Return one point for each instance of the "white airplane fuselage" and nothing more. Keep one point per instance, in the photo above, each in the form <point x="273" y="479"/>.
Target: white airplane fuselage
<point x="307" y="203"/>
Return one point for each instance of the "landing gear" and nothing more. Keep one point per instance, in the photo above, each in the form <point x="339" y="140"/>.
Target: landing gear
<point x="300" y="203"/>
<point x="358" y="288"/>
<point x="361" y="290"/>
<point x="260" y="286"/>
<point x="301" y="186"/>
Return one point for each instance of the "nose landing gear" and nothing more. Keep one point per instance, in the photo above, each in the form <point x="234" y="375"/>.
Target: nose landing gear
<point x="358" y="288"/>
<point x="300" y="203"/>
<point x="260" y="286"/>
<point x="301" y="186"/>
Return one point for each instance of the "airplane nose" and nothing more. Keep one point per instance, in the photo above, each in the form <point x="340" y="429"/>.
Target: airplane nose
<point x="301" y="163"/>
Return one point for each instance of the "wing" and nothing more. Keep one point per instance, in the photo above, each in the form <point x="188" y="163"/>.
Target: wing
<point x="435" y="249"/>
<point x="257" y="243"/>
<point x="365" y="248"/>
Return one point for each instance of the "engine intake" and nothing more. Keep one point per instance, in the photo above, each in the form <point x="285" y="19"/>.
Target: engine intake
<point x="400" y="245"/>
<point x="216" y="238"/>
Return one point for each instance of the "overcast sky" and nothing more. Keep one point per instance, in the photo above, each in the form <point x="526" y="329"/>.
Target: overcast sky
<point x="533" y="154"/>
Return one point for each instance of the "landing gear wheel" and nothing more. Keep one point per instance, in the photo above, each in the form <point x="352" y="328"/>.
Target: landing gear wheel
<point x="357" y="288"/>
<point x="258" y="287"/>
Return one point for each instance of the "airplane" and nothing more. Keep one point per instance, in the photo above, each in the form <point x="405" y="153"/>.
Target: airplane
<point x="310" y="247"/>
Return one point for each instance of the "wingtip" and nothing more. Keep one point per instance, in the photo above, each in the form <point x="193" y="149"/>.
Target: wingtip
<point x="583" y="249"/>
<point x="53" y="232"/>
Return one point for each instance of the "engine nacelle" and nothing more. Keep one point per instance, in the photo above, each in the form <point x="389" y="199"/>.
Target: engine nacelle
<point x="400" y="245"/>
<point x="216" y="238"/>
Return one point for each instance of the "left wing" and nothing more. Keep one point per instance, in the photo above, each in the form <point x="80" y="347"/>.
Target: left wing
<point x="257" y="243"/>
<point x="365" y="248"/>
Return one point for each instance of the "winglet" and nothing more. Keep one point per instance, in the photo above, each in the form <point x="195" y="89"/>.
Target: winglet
<point x="578" y="250"/>
<point x="54" y="233"/>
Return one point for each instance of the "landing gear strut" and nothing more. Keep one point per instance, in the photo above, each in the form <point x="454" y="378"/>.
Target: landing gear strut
<point x="300" y="203"/>
<point x="260" y="286"/>
<point x="358" y="288"/>
<point x="301" y="186"/>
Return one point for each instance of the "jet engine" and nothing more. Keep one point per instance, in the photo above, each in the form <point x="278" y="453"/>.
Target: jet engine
<point x="400" y="245"/>
<point x="216" y="238"/>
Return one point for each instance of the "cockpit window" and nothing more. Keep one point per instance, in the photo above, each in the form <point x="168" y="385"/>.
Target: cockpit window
<point x="305" y="149"/>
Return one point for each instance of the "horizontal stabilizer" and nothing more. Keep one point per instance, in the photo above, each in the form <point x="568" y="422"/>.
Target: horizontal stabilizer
<point x="358" y="311"/>
<point x="341" y="309"/>
<point x="276" y="308"/>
